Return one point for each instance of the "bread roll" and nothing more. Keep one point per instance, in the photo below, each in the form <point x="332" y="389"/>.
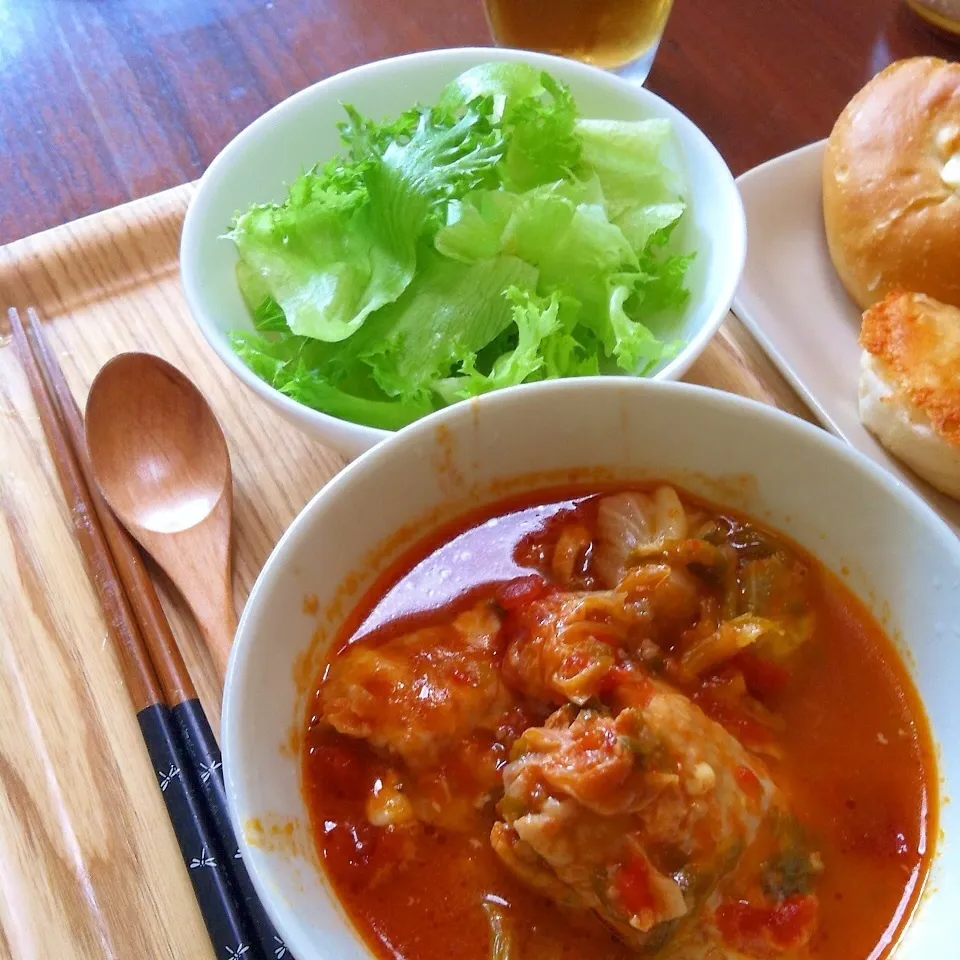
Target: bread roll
<point x="910" y="384"/>
<point x="891" y="184"/>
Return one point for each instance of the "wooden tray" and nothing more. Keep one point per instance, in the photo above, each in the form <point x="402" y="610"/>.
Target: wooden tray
<point x="89" y="866"/>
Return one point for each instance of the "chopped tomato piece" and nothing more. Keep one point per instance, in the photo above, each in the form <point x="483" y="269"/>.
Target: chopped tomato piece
<point x="632" y="882"/>
<point x="748" y="731"/>
<point x="523" y="590"/>
<point x="516" y="720"/>
<point x="631" y="687"/>
<point x="764" y="931"/>
<point x="351" y="845"/>
<point x="763" y="677"/>
<point x="346" y="774"/>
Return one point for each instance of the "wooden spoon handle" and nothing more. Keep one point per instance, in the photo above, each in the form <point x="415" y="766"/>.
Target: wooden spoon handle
<point x="198" y="561"/>
<point x="217" y="618"/>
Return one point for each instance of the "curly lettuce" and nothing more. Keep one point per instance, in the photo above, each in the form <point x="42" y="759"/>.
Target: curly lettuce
<point x="495" y="238"/>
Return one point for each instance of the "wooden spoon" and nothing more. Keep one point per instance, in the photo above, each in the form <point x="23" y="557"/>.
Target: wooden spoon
<point x="161" y="461"/>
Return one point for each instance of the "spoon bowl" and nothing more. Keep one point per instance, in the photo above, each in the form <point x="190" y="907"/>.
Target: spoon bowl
<point x="161" y="461"/>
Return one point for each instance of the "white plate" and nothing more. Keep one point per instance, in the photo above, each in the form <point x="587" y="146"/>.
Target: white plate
<point x="796" y="307"/>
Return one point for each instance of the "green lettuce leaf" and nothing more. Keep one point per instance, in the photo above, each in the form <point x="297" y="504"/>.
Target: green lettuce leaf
<point x="325" y="255"/>
<point x="344" y="242"/>
<point x="265" y="312"/>
<point x="543" y="341"/>
<point x="632" y="343"/>
<point x="639" y="224"/>
<point x="443" y="159"/>
<point x="450" y="311"/>
<point x="495" y="238"/>
<point x="542" y="144"/>
<point x="517" y="358"/>
<point x="537" y="116"/>
<point x="297" y="368"/>
<point x="366" y="140"/>
<point x="475" y="225"/>
<point x="506" y="84"/>
<point x="563" y="231"/>
<point x="633" y="160"/>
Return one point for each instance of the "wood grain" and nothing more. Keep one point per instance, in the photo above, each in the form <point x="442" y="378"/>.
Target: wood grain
<point x="88" y="864"/>
<point x="105" y="102"/>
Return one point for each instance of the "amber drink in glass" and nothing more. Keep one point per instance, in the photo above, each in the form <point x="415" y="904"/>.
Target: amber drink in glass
<point x="618" y="35"/>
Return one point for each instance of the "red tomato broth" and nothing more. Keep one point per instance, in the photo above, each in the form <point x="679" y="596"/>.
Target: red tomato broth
<point x="869" y="805"/>
<point x="433" y="908"/>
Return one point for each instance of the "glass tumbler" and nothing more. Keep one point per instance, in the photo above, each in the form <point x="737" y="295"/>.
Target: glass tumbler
<point x="944" y="14"/>
<point x="618" y="35"/>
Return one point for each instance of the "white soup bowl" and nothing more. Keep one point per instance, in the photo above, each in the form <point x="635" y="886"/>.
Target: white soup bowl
<point x="863" y="524"/>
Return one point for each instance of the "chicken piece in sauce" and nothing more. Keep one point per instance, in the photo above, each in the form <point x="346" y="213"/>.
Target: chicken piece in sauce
<point x="434" y="702"/>
<point x="563" y="645"/>
<point x="640" y="806"/>
<point x="659" y="821"/>
<point x="417" y="694"/>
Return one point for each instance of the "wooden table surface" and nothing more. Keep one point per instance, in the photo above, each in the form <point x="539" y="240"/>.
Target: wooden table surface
<point x="108" y="101"/>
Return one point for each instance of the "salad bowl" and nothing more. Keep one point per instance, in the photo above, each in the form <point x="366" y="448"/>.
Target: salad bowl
<point x="261" y="162"/>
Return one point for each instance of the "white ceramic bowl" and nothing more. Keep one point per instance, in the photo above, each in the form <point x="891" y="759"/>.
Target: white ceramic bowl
<point x="272" y="151"/>
<point x="899" y="556"/>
